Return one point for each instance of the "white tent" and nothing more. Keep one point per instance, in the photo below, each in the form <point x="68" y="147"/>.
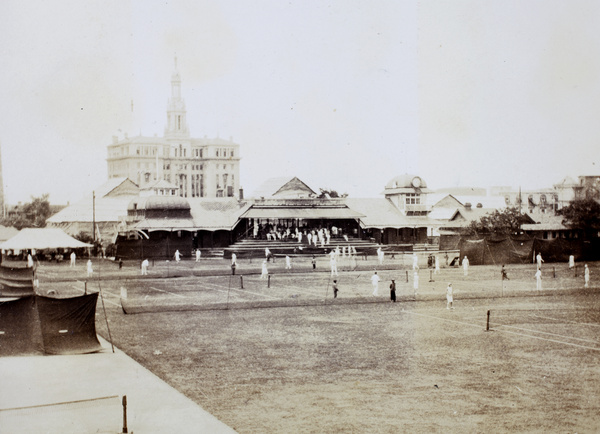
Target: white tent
<point x="40" y="239"/>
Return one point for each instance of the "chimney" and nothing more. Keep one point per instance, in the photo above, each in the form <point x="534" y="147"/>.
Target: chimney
<point x="468" y="205"/>
<point x="241" y="194"/>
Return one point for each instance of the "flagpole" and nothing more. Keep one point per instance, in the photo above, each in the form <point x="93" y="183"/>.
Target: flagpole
<point x="93" y="217"/>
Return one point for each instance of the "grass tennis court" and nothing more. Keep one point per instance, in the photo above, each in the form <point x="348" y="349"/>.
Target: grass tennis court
<point x="382" y="367"/>
<point x="360" y="364"/>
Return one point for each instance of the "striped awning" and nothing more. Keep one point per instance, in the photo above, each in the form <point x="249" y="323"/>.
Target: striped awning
<point x="169" y="225"/>
<point x="306" y="213"/>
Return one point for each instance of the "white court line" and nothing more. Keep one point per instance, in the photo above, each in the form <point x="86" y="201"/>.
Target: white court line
<point x="504" y="331"/>
<point x="572" y="322"/>
<point x="244" y="291"/>
<point x="551" y="340"/>
<point x="443" y="319"/>
<point x="544" y="333"/>
<point x="105" y="299"/>
<point x="168" y="292"/>
<point x="219" y="287"/>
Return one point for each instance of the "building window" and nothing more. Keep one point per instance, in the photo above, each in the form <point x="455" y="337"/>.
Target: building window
<point x="413" y="199"/>
<point x="183" y="186"/>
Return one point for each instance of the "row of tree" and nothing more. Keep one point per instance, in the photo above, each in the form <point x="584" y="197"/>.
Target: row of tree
<point x="30" y="215"/>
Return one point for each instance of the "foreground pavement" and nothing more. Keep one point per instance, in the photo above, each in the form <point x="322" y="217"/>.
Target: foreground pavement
<point x="93" y="386"/>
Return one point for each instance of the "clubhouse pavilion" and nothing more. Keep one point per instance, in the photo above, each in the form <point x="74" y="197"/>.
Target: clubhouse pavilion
<point x="158" y="223"/>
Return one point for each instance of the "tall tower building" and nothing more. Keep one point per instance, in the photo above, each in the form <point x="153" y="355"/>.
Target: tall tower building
<point x="199" y="167"/>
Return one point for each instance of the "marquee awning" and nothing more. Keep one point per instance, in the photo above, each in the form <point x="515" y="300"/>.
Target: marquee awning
<point x="168" y="225"/>
<point x="42" y="238"/>
<point x="302" y="213"/>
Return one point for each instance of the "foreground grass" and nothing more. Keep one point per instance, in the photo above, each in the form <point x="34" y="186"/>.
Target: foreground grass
<point x="411" y="367"/>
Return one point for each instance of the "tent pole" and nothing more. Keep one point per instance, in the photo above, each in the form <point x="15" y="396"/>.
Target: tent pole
<point x="104" y="309"/>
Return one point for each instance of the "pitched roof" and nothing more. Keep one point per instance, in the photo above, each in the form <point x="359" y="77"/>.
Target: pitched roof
<point x="283" y="187"/>
<point x="567" y="181"/>
<point x="381" y="213"/>
<point x="495" y="202"/>
<point x="216" y="214"/>
<point x="161" y="184"/>
<point x="546" y="223"/>
<point x="464" y="216"/>
<point x="117" y="187"/>
<point x="7" y="232"/>
<point x="107" y="209"/>
<point x="44" y="238"/>
<point x="442" y="213"/>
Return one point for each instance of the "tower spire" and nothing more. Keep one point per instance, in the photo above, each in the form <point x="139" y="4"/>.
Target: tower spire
<point x="176" y="112"/>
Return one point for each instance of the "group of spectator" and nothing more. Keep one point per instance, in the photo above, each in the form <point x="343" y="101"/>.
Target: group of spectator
<point x="311" y="236"/>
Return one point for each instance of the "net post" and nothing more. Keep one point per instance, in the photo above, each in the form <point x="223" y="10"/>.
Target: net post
<point x="241" y="282"/>
<point x="487" y="327"/>
<point x="85" y="288"/>
<point x="124" y="414"/>
<point x="269" y="281"/>
<point x="406" y="276"/>
<point x="554" y="272"/>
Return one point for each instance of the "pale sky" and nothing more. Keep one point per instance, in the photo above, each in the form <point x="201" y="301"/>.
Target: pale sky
<point x="343" y="94"/>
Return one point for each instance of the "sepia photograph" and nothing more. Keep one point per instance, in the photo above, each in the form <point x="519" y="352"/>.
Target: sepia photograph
<point x="299" y="216"/>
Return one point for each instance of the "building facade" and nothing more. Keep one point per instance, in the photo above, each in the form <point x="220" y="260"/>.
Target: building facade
<point x="199" y="167"/>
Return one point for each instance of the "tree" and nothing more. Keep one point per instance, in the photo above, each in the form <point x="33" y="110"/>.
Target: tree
<point x="32" y="214"/>
<point x="583" y="215"/>
<point x="505" y="222"/>
<point x="326" y="193"/>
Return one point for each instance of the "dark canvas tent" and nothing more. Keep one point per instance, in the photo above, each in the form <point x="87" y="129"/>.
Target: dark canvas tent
<point x="20" y="332"/>
<point x="16" y="281"/>
<point x="559" y="249"/>
<point x="55" y="326"/>
<point x="522" y="249"/>
<point x="497" y="251"/>
<point x="69" y="324"/>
